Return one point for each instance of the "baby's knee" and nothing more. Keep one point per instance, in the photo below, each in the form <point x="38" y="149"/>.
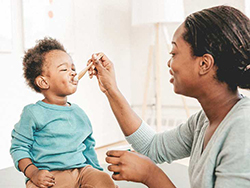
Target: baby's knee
<point x="105" y="180"/>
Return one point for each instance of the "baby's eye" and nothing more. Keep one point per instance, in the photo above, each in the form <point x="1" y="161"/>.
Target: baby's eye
<point x="63" y="69"/>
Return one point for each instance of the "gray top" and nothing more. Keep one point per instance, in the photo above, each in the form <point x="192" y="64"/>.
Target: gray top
<point x="225" y="162"/>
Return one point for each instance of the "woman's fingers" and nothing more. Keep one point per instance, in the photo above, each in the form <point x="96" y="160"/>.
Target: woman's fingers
<point x="114" y="168"/>
<point x="91" y="69"/>
<point x="98" y="55"/>
<point x="129" y="166"/>
<point x="104" y="72"/>
<point x="119" y="172"/>
<point x="113" y="160"/>
<point x="115" y="153"/>
<point x="117" y="177"/>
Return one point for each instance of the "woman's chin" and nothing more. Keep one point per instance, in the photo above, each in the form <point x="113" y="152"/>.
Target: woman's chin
<point x="176" y="90"/>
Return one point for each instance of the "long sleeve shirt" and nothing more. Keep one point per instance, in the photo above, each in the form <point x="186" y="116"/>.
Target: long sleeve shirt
<point x="54" y="137"/>
<point x="224" y="163"/>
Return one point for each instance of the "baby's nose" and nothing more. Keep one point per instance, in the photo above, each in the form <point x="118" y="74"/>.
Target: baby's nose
<point x="73" y="73"/>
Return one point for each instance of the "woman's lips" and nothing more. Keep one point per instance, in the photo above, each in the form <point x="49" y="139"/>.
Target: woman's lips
<point x="170" y="71"/>
<point x="171" y="80"/>
<point x="172" y="76"/>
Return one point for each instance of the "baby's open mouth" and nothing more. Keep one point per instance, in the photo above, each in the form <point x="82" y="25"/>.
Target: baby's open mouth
<point x="74" y="82"/>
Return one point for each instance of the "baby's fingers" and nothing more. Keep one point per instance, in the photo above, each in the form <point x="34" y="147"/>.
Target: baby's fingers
<point x="49" y="182"/>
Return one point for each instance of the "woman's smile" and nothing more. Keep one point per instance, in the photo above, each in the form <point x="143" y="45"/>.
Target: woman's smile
<point x="172" y="76"/>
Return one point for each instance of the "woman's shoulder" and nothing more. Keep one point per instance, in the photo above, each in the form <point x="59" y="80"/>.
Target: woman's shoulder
<point x="235" y="130"/>
<point x="241" y="111"/>
<point x="197" y="120"/>
<point x="237" y="122"/>
<point x="244" y="103"/>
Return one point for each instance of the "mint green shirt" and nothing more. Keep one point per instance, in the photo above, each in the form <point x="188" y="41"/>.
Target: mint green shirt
<point x="54" y="137"/>
<point x="225" y="162"/>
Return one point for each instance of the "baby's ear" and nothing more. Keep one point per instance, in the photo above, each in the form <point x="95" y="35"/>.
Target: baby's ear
<point x="42" y="83"/>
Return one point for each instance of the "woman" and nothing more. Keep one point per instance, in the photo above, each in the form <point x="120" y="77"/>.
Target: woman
<point x="210" y="60"/>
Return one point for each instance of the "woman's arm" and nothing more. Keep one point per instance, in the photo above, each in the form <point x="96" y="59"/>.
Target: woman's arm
<point x="126" y="117"/>
<point x="130" y="165"/>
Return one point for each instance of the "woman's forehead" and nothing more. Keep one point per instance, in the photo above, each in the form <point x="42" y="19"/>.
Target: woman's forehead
<point x="178" y="34"/>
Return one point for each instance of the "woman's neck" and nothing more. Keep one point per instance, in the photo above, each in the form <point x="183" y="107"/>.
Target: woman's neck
<point x="217" y="104"/>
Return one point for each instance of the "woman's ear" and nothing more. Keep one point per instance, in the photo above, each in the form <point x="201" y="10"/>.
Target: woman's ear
<point x="42" y="83"/>
<point x="206" y="64"/>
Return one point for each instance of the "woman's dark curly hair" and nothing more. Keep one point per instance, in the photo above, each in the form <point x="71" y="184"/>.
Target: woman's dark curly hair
<point x="34" y="59"/>
<point x="223" y="32"/>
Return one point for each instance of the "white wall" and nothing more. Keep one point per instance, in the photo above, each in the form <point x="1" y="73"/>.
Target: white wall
<point x="102" y="26"/>
<point x="99" y="26"/>
<point x="14" y="93"/>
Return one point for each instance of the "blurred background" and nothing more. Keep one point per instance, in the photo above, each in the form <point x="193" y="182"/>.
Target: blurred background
<point x="134" y="34"/>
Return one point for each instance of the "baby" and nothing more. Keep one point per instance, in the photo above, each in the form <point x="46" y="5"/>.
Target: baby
<point x="52" y="144"/>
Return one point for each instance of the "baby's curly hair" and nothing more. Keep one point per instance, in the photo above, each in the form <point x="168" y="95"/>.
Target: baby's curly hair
<point x="34" y="59"/>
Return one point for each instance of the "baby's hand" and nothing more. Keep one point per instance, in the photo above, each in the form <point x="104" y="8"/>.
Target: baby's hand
<point x="43" y="178"/>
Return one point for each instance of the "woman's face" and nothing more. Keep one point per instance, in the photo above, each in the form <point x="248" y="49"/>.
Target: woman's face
<point x="183" y="66"/>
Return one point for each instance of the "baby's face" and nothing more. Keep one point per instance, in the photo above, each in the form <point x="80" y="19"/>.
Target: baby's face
<point x="60" y="72"/>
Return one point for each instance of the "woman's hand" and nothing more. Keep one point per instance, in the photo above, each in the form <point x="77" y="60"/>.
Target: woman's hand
<point x="103" y="69"/>
<point x="135" y="167"/>
<point x="43" y="178"/>
<point x="130" y="166"/>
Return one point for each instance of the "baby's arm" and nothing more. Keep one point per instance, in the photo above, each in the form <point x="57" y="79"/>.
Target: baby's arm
<point x="90" y="153"/>
<point x="41" y="178"/>
<point x="21" y="144"/>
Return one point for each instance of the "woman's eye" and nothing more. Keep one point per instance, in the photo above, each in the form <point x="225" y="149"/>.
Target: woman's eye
<point x="172" y="54"/>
